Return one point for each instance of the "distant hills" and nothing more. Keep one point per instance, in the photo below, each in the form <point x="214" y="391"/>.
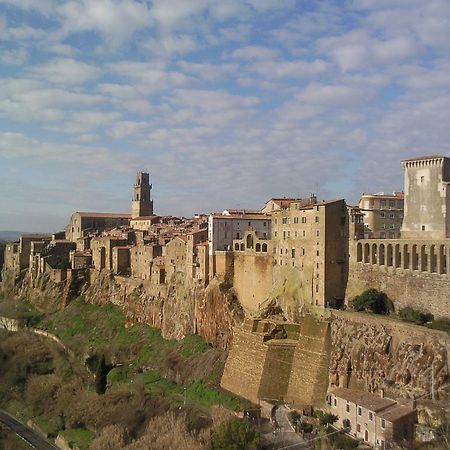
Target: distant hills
<point x="9" y="235"/>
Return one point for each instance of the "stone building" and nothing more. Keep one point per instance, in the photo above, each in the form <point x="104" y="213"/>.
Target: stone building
<point x="142" y="204"/>
<point x="379" y="422"/>
<point x="81" y="223"/>
<point x="427" y="198"/>
<point x="383" y="215"/>
<point x="314" y="239"/>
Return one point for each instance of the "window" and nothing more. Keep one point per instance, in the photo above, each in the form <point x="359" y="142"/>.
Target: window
<point x="303" y="219"/>
<point x="423" y="227"/>
<point x="317" y="219"/>
<point x="284" y="221"/>
<point x="358" y="427"/>
<point x="422" y="179"/>
<point x="347" y="406"/>
<point x="317" y="252"/>
<point x="264" y="224"/>
<point x="371" y="416"/>
<point x="382" y="214"/>
<point x="359" y="411"/>
<point x="281" y="251"/>
<point x="293" y="253"/>
<point x="249" y="224"/>
<point x="335" y="401"/>
<point x="317" y="233"/>
<point x="303" y="251"/>
<point x="383" y="423"/>
<point x="275" y="233"/>
<point x="317" y="288"/>
<point x="304" y="233"/>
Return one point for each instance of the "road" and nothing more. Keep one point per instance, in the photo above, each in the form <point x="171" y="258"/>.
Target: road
<point x="287" y="434"/>
<point x="31" y="437"/>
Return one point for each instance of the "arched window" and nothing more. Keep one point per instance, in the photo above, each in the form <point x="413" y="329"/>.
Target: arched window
<point x="264" y="247"/>
<point x="258" y="247"/>
<point x="236" y="246"/>
<point x="249" y="241"/>
<point x="242" y="247"/>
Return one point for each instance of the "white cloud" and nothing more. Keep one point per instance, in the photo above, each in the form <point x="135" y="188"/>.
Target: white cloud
<point x="170" y="45"/>
<point x="207" y="71"/>
<point x="356" y="49"/>
<point x="17" y="145"/>
<point x="211" y="100"/>
<point x="115" y="20"/>
<point x="288" y="69"/>
<point x="66" y="71"/>
<point x="13" y="57"/>
<point x="252" y="52"/>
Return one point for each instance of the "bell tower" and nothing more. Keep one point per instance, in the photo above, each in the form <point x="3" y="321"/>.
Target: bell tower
<point x="142" y="204"/>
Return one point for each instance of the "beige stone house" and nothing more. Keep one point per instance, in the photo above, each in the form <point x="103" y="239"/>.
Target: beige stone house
<point x="383" y="215"/>
<point x="377" y="421"/>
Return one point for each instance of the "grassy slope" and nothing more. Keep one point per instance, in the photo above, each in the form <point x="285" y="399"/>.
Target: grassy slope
<point x="182" y="374"/>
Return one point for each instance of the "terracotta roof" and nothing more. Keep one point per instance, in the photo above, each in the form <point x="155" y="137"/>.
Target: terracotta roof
<point x="369" y="401"/>
<point x="259" y="216"/>
<point x="36" y="235"/>
<point x="419" y="158"/>
<point x="104" y="215"/>
<point x="146" y="217"/>
<point x="395" y="413"/>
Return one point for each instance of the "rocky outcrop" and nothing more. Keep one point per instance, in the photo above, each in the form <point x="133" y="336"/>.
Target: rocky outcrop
<point x="178" y="309"/>
<point x="381" y="354"/>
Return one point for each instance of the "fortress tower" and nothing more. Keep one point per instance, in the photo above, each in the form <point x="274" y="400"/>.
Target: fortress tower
<point x="427" y="198"/>
<point x="142" y="204"/>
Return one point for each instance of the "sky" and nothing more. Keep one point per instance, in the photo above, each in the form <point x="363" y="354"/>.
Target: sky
<point x="225" y="103"/>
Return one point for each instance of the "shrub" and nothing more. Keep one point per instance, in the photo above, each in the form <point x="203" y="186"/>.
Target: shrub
<point x="325" y="418"/>
<point x="371" y="300"/>
<point x="415" y="316"/>
<point x="344" y="442"/>
<point x="306" y="427"/>
<point x="235" y="434"/>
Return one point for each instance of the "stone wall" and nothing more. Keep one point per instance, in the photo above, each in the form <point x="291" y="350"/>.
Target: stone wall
<point x="376" y="353"/>
<point x="245" y="364"/>
<point x="420" y="290"/>
<point x="290" y="366"/>
<point x="252" y="279"/>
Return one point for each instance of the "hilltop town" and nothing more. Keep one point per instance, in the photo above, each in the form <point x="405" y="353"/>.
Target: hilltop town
<point x="275" y="287"/>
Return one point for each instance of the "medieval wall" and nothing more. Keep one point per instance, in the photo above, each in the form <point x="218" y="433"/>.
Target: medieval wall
<point x="374" y="353"/>
<point x="252" y="279"/>
<point x="308" y="382"/>
<point x="291" y="367"/>
<point x="419" y="290"/>
<point x="245" y="364"/>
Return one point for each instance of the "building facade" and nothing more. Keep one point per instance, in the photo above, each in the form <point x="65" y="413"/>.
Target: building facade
<point x="379" y="422"/>
<point x="142" y="203"/>
<point x="383" y="215"/>
<point x="427" y="198"/>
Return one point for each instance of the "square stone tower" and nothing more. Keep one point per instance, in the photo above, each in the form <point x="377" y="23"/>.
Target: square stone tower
<point x="142" y="204"/>
<point x="427" y="198"/>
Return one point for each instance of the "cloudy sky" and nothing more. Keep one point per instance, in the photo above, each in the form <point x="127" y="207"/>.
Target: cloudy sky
<point x="225" y="103"/>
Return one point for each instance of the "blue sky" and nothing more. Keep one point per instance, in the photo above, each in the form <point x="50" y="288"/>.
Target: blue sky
<point x="225" y="103"/>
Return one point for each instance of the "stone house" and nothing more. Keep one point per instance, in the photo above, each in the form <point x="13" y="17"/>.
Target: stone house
<point x="383" y="215"/>
<point x="379" y="422"/>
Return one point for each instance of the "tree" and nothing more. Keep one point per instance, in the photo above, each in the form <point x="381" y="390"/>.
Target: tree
<point x="371" y="300"/>
<point x="235" y="435"/>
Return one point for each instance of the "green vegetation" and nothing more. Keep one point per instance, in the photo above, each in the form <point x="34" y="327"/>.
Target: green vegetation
<point x="414" y="315"/>
<point x="235" y="435"/>
<point x="371" y="300"/>
<point x="440" y="324"/>
<point x="425" y="319"/>
<point x="326" y="419"/>
<point x="20" y="310"/>
<point x="79" y="436"/>
<point x="140" y="375"/>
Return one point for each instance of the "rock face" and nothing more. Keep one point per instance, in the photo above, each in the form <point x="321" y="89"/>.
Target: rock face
<point x="375" y="354"/>
<point x="178" y="309"/>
